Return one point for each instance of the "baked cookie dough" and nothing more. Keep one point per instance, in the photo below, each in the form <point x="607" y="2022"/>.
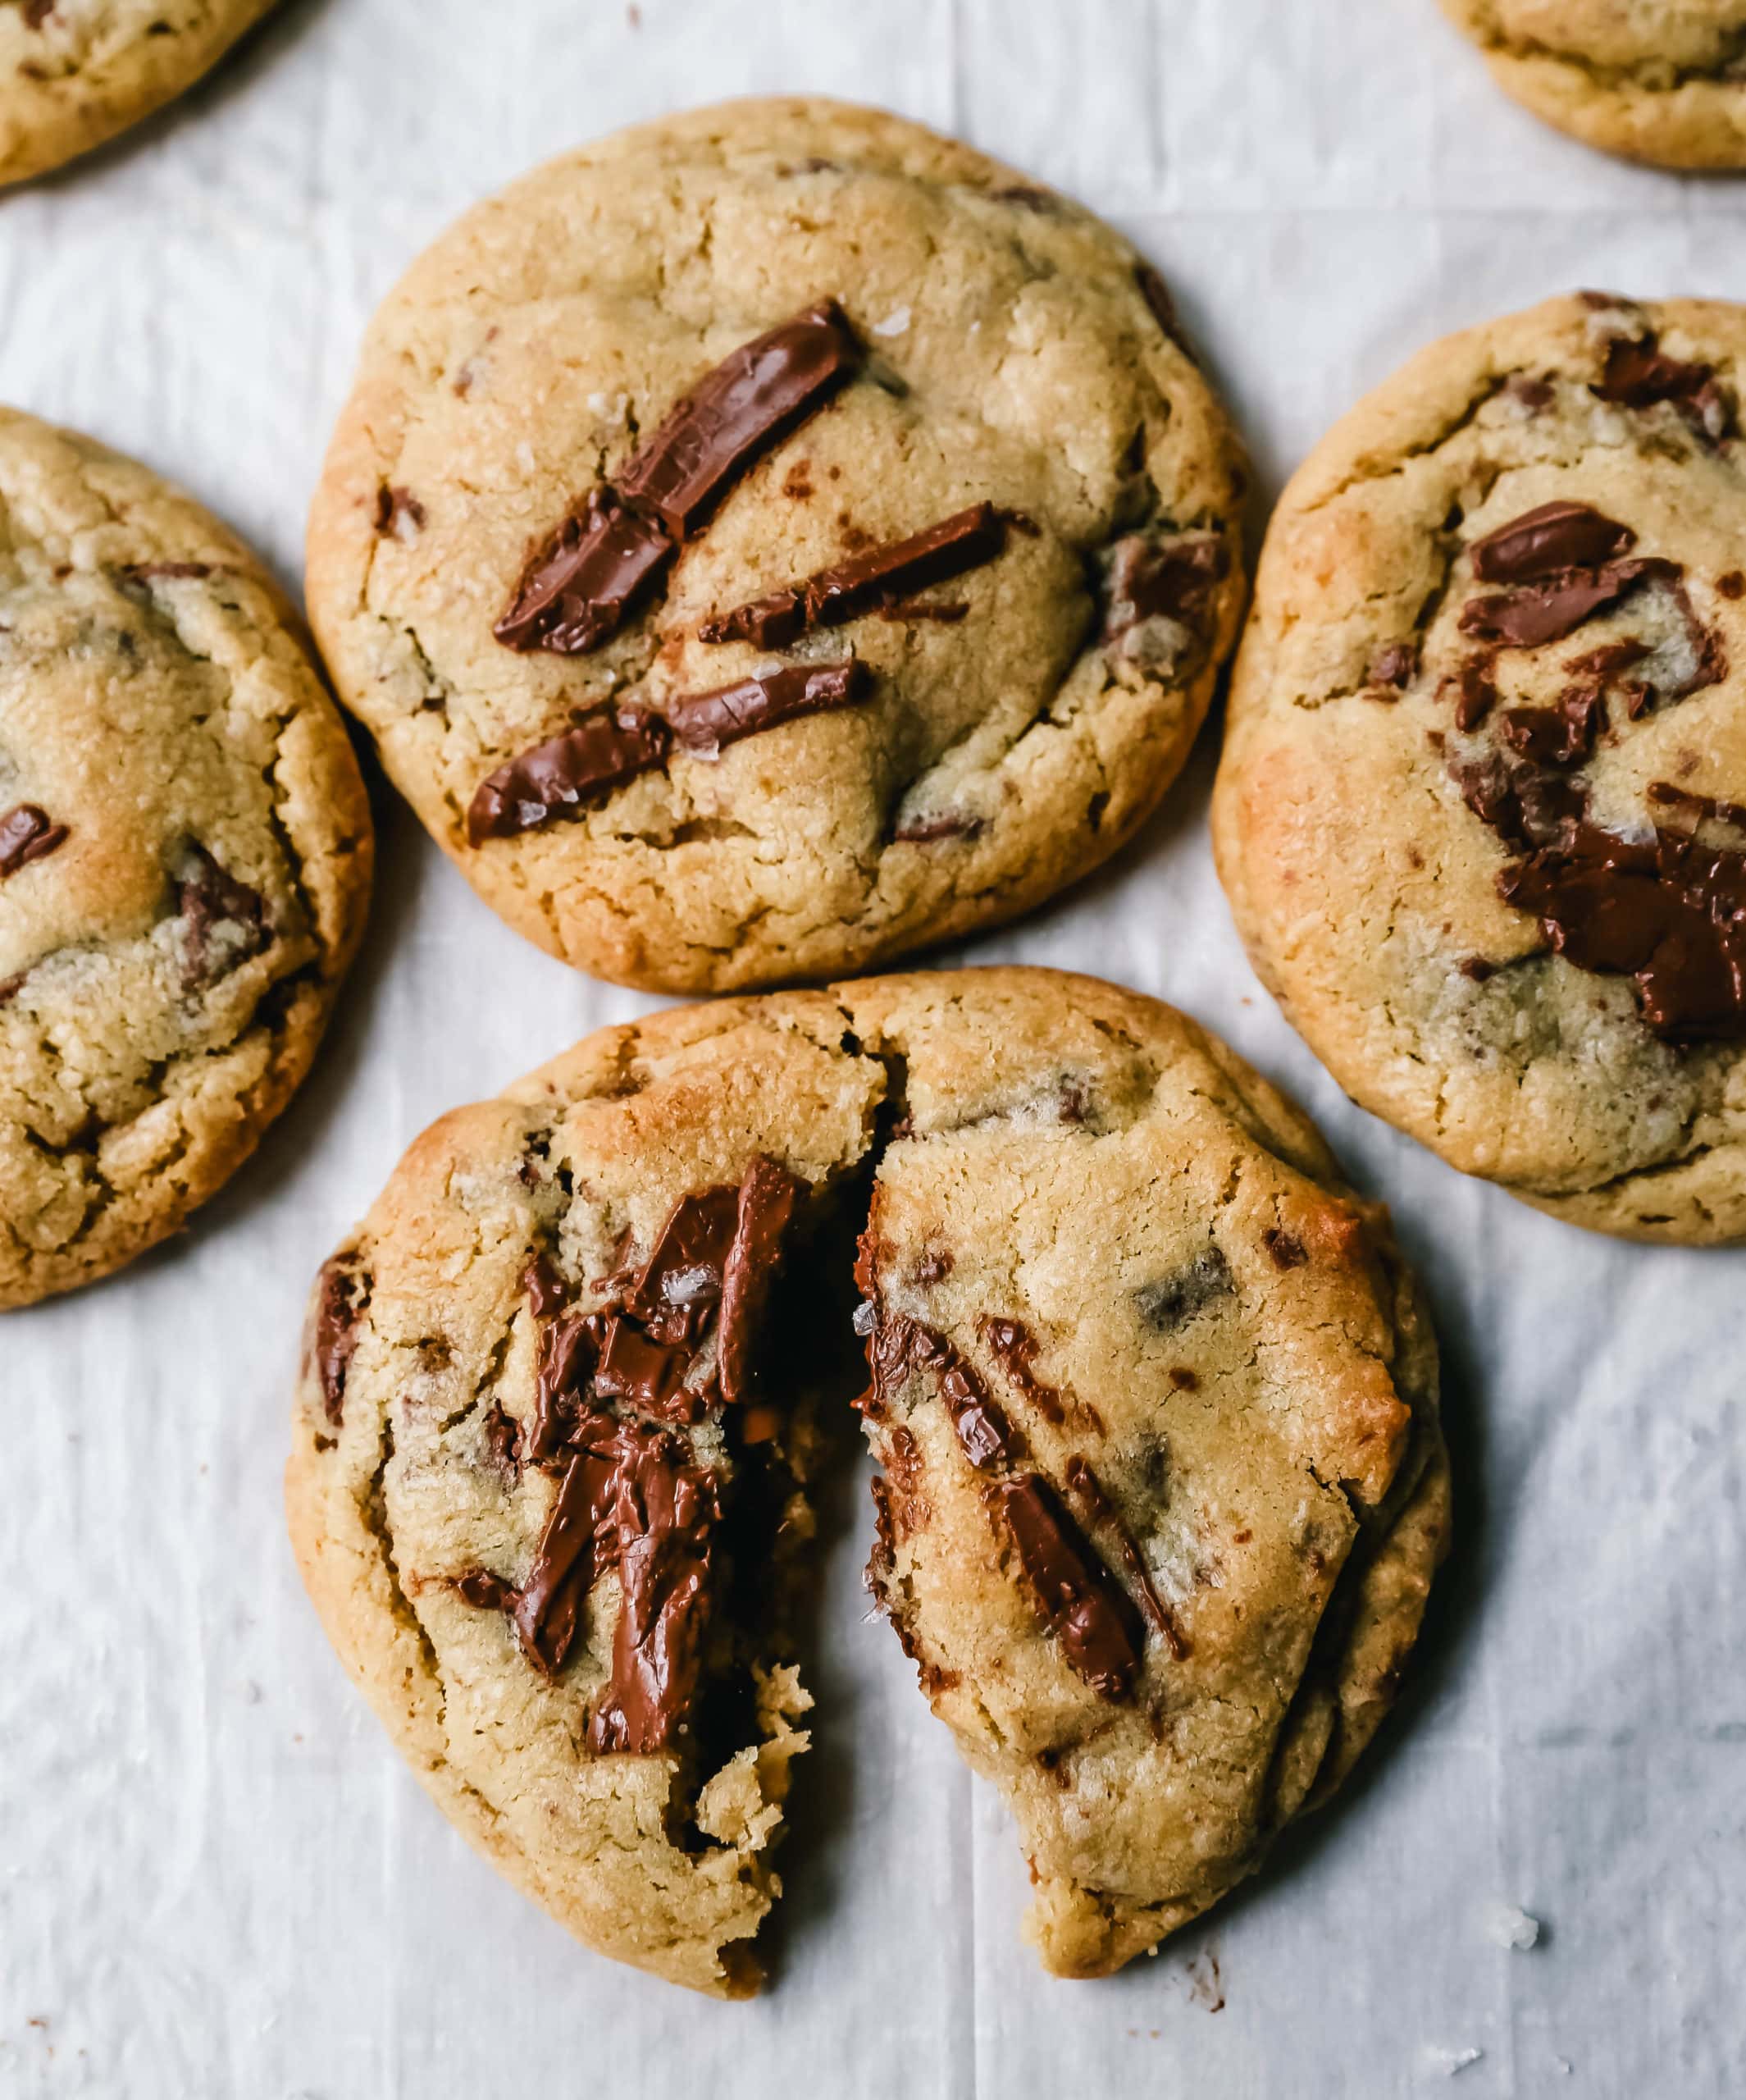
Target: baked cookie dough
<point x="1164" y="1492"/>
<point x="775" y="539"/>
<point x="73" y="73"/>
<point x="1658" y="80"/>
<point x="1482" y="810"/>
<point x="184" y="857"/>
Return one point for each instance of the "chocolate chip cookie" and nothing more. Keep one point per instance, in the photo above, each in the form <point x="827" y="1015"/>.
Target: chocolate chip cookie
<point x="1658" y="80"/>
<point x="74" y="73"/>
<point x="184" y="857"/>
<point x="1164" y="1487"/>
<point x="1482" y="810"/>
<point x="775" y="539"/>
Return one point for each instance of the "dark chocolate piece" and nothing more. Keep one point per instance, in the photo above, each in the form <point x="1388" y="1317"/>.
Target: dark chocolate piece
<point x="1286" y="1250"/>
<point x="768" y="1196"/>
<point x="575" y="592"/>
<point x="565" y="777"/>
<point x="707" y="722"/>
<point x="1639" y="373"/>
<point x="576" y="1546"/>
<point x="1173" y="1300"/>
<point x="1476" y="693"/>
<point x="1095" y="1506"/>
<point x="11" y="987"/>
<point x="569" y="1350"/>
<point x="1397" y="665"/>
<point x="1561" y="736"/>
<point x="502" y="1436"/>
<point x="1535" y="614"/>
<point x="1701" y="807"/>
<point x="649" y="1375"/>
<point x="681" y="1282"/>
<point x="544" y="1286"/>
<point x="1545" y="542"/>
<point x="900" y="1347"/>
<point x="736" y="412"/>
<point x="1175" y="581"/>
<point x="1074" y="1594"/>
<point x="27" y="833"/>
<point x="883" y="576"/>
<point x="1014" y="1350"/>
<point x="392" y="504"/>
<point x="664" y="1515"/>
<point x="342" y="1298"/>
<point x="211" y="898"/>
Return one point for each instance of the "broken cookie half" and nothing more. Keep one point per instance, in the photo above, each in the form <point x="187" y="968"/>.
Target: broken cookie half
<point x="1163" y="1490"/>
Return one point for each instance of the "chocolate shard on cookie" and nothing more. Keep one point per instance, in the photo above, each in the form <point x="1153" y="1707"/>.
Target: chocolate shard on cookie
<point x="707" y="441"/>
<point x="1163" y="1489"/>
<point x="184" y="857"/>
<point x="1560" y="1003"/>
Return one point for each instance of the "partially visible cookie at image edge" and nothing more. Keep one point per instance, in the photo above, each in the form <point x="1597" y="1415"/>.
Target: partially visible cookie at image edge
<point x="1664" y="83"/>
<point x="774" y="539"/>
<point x="74" y="73"/>
<point x="185" y="852"/>
<point x="1481" y="814"/>
<point x="1165" y="1487"/>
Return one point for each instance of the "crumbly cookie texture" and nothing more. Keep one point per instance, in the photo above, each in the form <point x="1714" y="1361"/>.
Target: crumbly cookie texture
<point x="1164" y="1493"/>
<point x="184" y="857"/>
<point x="1479" y="814"/>
<point x="73" y="73"/>
<point x="515" y="595"/>
<point x="1658" y="80"/>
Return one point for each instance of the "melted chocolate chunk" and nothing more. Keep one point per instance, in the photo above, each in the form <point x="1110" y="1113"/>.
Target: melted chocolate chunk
<point x="1639" y="373"/>
<point x="575" y="594"/>
<point x="1174" y="581"/>
<point x="1014" y="1350"/>
<point x="1285" y="1249"/>
<point x="881" y="577"/>
<point x="576" y="1546"/>
<point x="1561" y="736"/>
<point x="768" y="1196"/>
<point x="11" y="987"/>
<point x="568" y="776"/>
<point x="1701" y="807"/>
<point x="1535" y="614"/>
<point x="485" y="1592"/>
<point x="1476" y="693"/>
<point x="649" y="1375"/>
<point x="738" y="411"/>
<point x="1174" y="1300"/>
<point x="569" y="1350"/>
<point x="392" y="504"/>
<point x="664" y="1515"/>
<point x="1545" y="542"/>
<point x="544" y="1286"/>
<point x="502" y="1436"/>
<point x="1073" y="1591"/>
<point x="898" y="1348"/>
<point x="682" y="1280"/>
<point x="342" y="1298"/>
<point x="224" y="922"/>
<point x="27" y="833"/>
<point x="706" y="723"/>
<point x="1101" y="1513"/>
<point x="1396" y="665"/>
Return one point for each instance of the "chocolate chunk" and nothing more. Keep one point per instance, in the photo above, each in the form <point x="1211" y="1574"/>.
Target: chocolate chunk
<point x="749" y="401"/>
<point x="1532" y="392"/>
<point x="1101" y="1513"/>
<point x="1525" y="807"/>
<point x="568" y="775"/>
<point x="682" y="1280"/>
<point x="482" y="1590"/>
<point x="1561" y="736"/>
<point x="899" y="1347"/>
<point x="502" y="1436"/>
<point x="569" y="1350"/>
<point x="1398" y="664"/>
<point x="1174" y="581"/>
<point x="342" y="1298"/>
<point x="1701" y="807"/>
<point x="545" y="1287"/>
<point x="1014" y="1350"/>
<point x="392" y="504"/>
<point x="576" y="1546"/>
<point x="224" y="922"/>
<point x="1073" y="1591"/>
<point x="1476" y="694"/>
<point x="706" y="723"/>
<point x="1285" y="1248"/>
<point x="664" y="1514"/>
<point x="1670" y="916"/>
<point x="881" y="578"/>
<point x="575" y="592"/>
<point x="1476" y="969"/>
<point x="1639" y="373"/>
<point x="1543" y="542"/>
<point x="649" y="1375"/>
<point x="1731" y="584"/>
<point x="26" y="833"/>
<point x="1538" y="613"/>
<point x="11" y="987"/>
<point x="769" y="1198"/>
<point x="1173" y="1300"/>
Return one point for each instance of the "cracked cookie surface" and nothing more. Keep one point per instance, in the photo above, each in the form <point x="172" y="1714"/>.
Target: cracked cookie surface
<point x="1128" y="1331"/>
<point x="1658" y="80"/>
<point x="1005" y="372"/>
<point x="74" y="73"/>
<point x="1480" y="813"/>
<point x="184" y="857"/>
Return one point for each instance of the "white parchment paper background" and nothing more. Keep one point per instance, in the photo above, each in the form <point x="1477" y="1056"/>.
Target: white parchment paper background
<point x="216" y="1880"/>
